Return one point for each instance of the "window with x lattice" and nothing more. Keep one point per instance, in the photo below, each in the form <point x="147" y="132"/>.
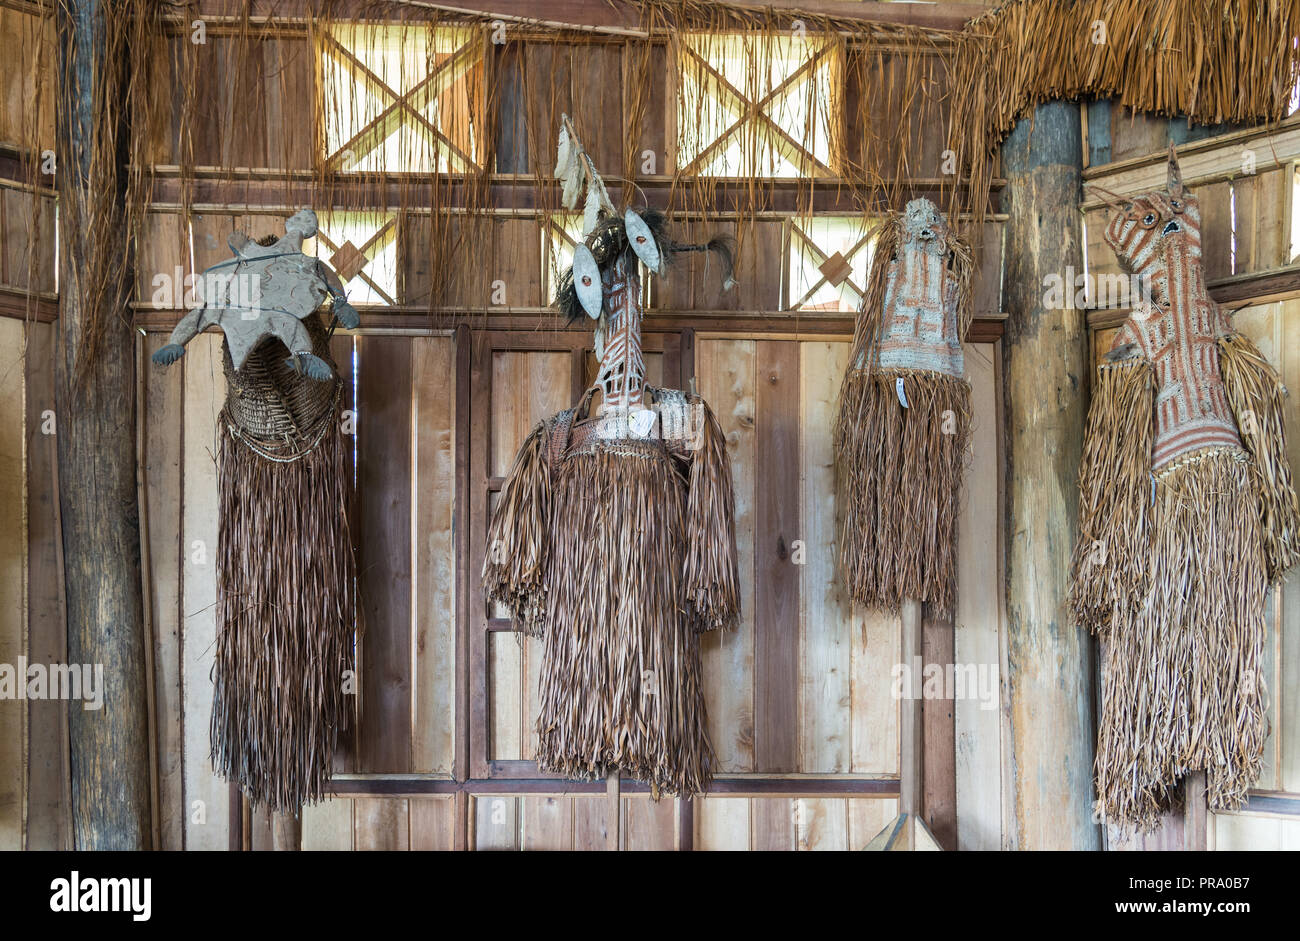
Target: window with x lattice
<point x="830" y="257"/>
<point x="402" y="99"/>
<point x="758" y="105"/>
<point x="362" y="248"/>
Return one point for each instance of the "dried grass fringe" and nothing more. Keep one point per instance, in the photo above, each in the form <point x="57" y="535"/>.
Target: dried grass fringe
<point x="899" y="479"/>
<point x="1256" y="394"/>
<point x="621" y="676"/>
<point x="1182" y="684"/>
<point x="712" y="579"/>
<point x="618" y="558"/>
<point x="285" y="608"/>
<point x="1108" y="570"/>
<point x="514" y="570"/>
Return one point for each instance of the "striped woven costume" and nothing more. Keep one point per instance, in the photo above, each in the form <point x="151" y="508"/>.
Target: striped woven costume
<point x="1186" y="513"/>
<point x="904" y="416"/>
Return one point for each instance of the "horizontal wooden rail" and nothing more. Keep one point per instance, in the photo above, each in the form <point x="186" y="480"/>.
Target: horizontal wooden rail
<point x="612" y="17"/>
<point x="985" y="328"/>
<point x="727" y="785"/>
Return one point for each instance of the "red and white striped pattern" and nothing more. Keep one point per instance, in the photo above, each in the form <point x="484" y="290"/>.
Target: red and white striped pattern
<point x="622" y="368"/>
<point x="1158" y="237"/>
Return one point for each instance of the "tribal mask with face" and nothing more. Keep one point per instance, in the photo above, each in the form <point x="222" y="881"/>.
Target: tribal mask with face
<point x="605" y="284"/>
<point x="920" y="328"/>
<point x="1176" y="324"/>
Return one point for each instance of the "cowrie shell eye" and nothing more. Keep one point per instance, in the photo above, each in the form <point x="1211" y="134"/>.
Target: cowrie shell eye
<point x="586" y="277"/>
<point x="642" y="244"/>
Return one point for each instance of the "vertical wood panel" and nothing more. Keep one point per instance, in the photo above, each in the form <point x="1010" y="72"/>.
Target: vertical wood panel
<point x="648" y="825"/>
<point x="384" y="553"/>
<point x="591" y="821"/>
<point x="327" y="825"/>
<point x="877" y="647"/>
<point x="25" y="264"/>
<point x="526" y="388"/>
<point x="163" y="433"/>
<point x="776" y="526"/>
<point x="207" y="798"/>
<point x="547" y="823"/>
<point x="979" y="725"/>
<point x="938" y="718"/>
<point x="432" y="823"/>
<point x="48" y="797"/>
<point x="722" y="823"/>
<point x="867" y="817"/>
<point x="825" y="617"/>
<point x="13" y="561"/>
<point x="771" y="823"/>
<point x="496" y="823"/>
<point x="381" y="823"/>
<point x="727" y="372"/>
<point x="434" y="591"/>
<point x="822" y="824"/>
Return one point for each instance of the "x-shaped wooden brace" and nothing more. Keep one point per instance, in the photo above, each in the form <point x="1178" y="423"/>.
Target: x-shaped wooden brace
<point x="821" y="257"/>
<point x="735" y="102"/>
<point x="376" y="243"/>
<point x="400" y="108"/>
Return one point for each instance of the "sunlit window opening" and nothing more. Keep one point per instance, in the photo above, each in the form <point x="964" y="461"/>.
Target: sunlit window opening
<point x="402" y="99"/>
<point x="561" y="234"/>
<point x="362" y="248"/>
<point x="830" y="257"/>
<point x="755" y="105"/>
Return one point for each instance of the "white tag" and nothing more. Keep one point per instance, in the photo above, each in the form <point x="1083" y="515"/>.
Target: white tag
<point x="641" y="421"/>
<point x="898" y="387"/>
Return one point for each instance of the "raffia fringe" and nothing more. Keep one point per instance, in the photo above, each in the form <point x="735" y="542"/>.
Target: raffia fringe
<point x="285" y="619"/>
<point x="1182" y="685"/>
<point x="514" y="569"/>
<point x="620" y="683"/>
<point x="712" y="580"/>
<point x="899" y="476"/>
<point x="1256" y="393"/>
<point x="1108" y="571"/>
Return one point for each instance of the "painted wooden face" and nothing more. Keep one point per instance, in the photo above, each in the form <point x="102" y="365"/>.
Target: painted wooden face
<point x="1147" y="225"/>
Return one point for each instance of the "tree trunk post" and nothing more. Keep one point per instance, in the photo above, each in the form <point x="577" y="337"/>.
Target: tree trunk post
<point x="1046" y="383"/>
<point x="95" y="396"/>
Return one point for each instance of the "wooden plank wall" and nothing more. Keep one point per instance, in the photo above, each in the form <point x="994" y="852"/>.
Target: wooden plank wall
<point x="34" y="779"/>
<point x="13" y="567"/>
<point x="800" y="697"/>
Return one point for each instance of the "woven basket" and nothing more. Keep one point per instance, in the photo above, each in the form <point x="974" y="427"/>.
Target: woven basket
<point x="273" y="408"/>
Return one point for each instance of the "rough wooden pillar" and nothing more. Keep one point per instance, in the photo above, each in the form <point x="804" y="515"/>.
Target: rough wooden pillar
<point x="95" y="396"/>
<point x="1046" y="376"/>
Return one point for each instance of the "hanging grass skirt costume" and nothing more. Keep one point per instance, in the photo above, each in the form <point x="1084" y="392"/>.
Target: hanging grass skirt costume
<point x="618" y="553"/>
<point x="904" y="417"/>
<point x="1186" y="514"/>
<point x="285" y="579"/>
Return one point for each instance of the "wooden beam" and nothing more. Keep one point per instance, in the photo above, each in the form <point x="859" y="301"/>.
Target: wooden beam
<point x="911" y="731"/>
<point x="778" y="324"/>
<point x="1196" y="822"/>
<point x="614" y="17"/>
<point x="1047" y="370"/>
<point x="96" y="414"/>
<point x="254" y="189"/>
